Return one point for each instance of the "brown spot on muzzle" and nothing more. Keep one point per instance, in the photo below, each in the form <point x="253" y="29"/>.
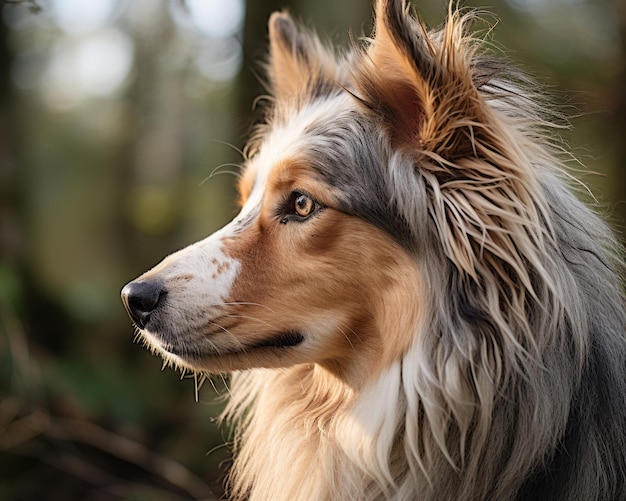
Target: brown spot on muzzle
<point x="221" y="268"/>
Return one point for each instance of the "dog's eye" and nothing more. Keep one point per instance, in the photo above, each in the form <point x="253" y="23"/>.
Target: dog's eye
<point x="298" y="207"/>
<point x="304" y="206"/>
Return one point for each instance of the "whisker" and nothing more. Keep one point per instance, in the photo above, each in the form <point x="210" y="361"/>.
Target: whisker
<point x="241" y="345"/>
<point x="247" y="317"/>
<point x="203" y="377"/>
<point x="213" y="385"/>
<point x="343" y="333"/>
<point x="230" y="145"/>
<point x="225" y="383"/>
<point x="216" y="172"/>
<point x="216" y="448"/>
<point x="244" y="303"/>
<point x="213" y="346"/>
<point x="199" y="382"/>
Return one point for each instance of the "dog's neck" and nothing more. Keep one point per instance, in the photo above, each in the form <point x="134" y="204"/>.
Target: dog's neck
<point x="308" y="420"/>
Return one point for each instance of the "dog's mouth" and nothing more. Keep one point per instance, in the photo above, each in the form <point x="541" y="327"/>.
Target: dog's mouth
<point x="282" y="340"/>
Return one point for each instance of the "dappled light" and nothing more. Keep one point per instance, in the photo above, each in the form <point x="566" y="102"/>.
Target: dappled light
<point x="95" y="65"/>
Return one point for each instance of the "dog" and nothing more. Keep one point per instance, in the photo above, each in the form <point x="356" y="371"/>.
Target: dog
<point x="412" y="302"/>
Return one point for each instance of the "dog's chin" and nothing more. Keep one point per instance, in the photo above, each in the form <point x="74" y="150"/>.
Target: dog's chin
<point x="271" y="351"/>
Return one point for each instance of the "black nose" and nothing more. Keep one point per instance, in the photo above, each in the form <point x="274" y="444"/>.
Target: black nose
<point x="141" y="298"/>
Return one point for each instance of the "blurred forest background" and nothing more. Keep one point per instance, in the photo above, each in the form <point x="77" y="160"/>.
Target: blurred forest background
<point x="120" y="123"/>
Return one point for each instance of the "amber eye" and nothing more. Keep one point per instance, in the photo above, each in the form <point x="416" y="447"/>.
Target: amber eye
<point x="299" y="207"/>
<point x="304" y="206"/>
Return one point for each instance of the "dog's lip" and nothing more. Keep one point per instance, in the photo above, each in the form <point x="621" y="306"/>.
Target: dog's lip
<point x="282" y="340"/>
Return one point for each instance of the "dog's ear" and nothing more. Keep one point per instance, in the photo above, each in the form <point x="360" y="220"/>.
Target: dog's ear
<point x="391" y="79"/>
<point x="415" y="83"/>
<point x="288" y="56"/>
<point x="298" y="63"/>
<point x="431" y="92"/>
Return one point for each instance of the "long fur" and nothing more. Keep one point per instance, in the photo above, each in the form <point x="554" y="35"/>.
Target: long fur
<point x="502" y="367"/>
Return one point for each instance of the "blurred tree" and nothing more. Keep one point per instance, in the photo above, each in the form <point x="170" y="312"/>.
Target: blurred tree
<point x="254" y="51"/>
<point x="11" y="181"/>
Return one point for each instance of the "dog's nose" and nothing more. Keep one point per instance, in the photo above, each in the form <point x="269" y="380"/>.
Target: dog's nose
<point x="141" y="298"/>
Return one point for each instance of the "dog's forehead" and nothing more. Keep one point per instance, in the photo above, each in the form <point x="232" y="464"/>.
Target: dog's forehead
<point x="295" y="135"/>
<point x="341" y="146"/>
<point x="305" y="135"/>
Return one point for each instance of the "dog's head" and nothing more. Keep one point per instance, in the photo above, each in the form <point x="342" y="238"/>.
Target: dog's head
<point x="366" y="179"/>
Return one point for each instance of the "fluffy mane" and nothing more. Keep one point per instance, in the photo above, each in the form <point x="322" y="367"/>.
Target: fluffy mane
<point x="512" y="383"/>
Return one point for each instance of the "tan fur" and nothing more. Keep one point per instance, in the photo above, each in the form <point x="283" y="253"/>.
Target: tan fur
<point x="340" y="254"/>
